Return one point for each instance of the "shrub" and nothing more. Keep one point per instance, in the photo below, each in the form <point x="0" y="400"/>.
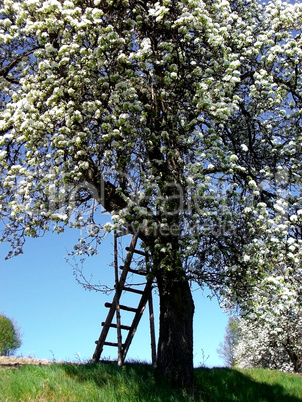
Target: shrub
<point x="9" y="336"/>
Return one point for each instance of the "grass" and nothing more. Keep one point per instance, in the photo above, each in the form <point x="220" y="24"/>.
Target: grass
<point x="254" y="385"/>
<point x="137" y="382"/>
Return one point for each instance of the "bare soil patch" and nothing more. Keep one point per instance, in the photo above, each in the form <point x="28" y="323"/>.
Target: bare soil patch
<point x="7" y="361"/>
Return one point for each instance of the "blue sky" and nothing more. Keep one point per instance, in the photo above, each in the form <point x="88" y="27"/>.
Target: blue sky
<point x="59" y="319"/>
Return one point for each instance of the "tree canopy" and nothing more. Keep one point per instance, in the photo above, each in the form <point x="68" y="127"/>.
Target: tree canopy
<point x="180" y="118"/>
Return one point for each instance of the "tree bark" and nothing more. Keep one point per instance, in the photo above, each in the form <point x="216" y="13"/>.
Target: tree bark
<point x="295" y="359"/>
<point x="175" y="345"/>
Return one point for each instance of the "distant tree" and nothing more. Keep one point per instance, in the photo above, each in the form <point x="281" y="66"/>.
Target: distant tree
<point x="10" y="339"/>
<point x="262" y="345"/>
<point x="270" y="329"/>
<point x="226" y="349"/>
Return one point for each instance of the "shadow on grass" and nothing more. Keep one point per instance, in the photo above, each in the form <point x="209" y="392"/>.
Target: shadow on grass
<point x="131" y="382"/>
<point x="222" y="384"/>
<point x="211" y="385"/>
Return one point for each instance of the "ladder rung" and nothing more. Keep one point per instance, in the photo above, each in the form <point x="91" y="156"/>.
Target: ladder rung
<point x="134" y="271"/>
<point x="111" y="344"/>
<point x="139" y="292"/>
<point x="137" y="272"/>
<point x="107" y="343"/>
<point x="115" y="326"/>
<point x="122" y="307"/>
<point x="137" y="251"/>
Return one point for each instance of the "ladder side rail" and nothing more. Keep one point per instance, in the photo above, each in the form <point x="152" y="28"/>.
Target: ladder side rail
<point x="126" y="268"/>
<point x="137" y="317"/>
<point x="129" y="255"/>
<point x="118" y="311"/>
<point x="119" y="337"/>
<point x="104" y="332"/>
<point x="152" y="330"/>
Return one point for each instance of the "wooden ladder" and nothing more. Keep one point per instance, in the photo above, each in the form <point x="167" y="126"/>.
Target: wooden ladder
<point x="115" y="307"/>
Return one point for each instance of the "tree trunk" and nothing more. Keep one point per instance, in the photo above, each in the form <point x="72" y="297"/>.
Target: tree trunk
<point x="175" y="345"/>
<point x="294" y="357"/>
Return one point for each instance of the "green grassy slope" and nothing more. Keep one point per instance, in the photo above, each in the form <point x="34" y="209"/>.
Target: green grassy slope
<point x="138" y="382"/>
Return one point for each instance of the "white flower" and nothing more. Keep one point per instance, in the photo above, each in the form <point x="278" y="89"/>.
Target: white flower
<point x="108" y="227"/>
<point x="124" y="116"/>
<point x="279" y="209"/>
<point x="244" y="148"/>
<point x="61" y="217"/>
<point x="146" y="44"/>
<point x="246" y="258"/>
<point x="252" y="184"/>
<point x="247" y="210"/>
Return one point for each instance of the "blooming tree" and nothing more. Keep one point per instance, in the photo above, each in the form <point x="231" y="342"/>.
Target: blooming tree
<point x="180" y="118"/>
<point x="269" y="329"/>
